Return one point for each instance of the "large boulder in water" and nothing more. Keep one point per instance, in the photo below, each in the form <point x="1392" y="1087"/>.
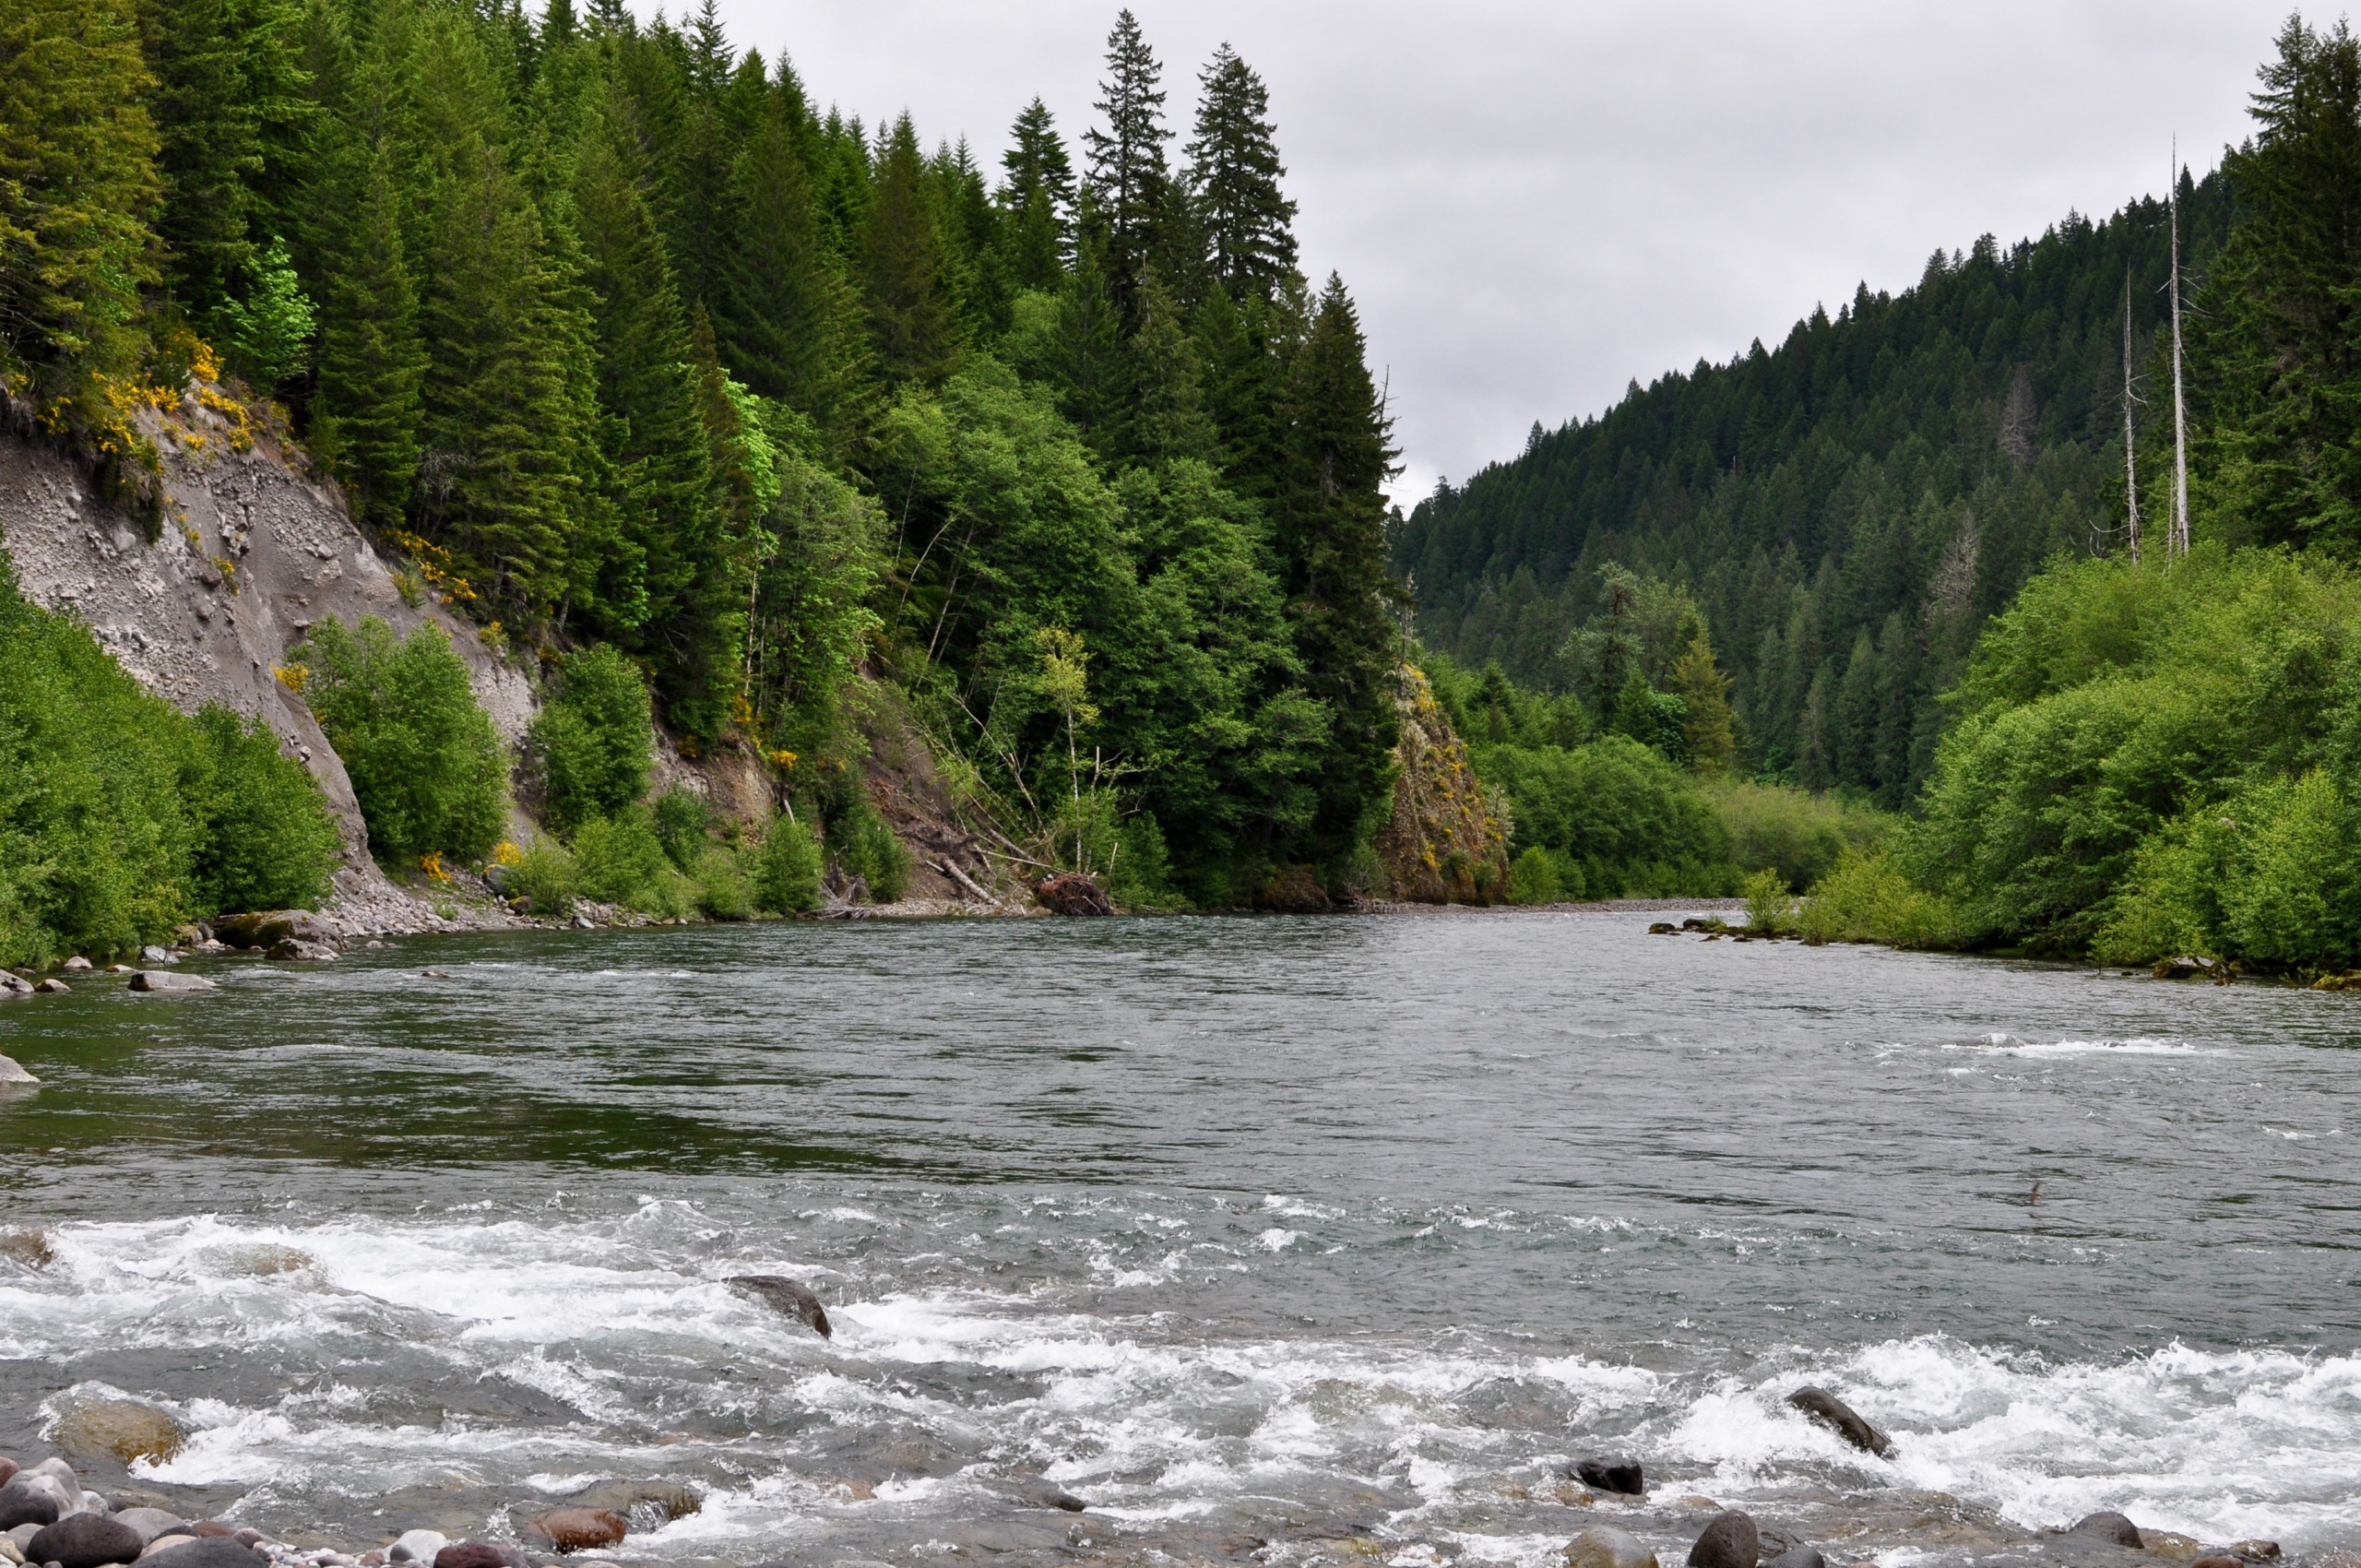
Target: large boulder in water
<point x="1604" y="1546"/>
<point x="579" y="1529"/>
<point x="165" y="979"/>
<point x="1839" y="1418"/>
<point x="788" y="1299"/>
<point x="121" y="1431"/>
<point x="12" y="1072"/>
<point x="1730" y="1542"/>
<point x="84" y="1540"/>
<point x="1617" y="1475"/>
<point x="2110" y="1527"/>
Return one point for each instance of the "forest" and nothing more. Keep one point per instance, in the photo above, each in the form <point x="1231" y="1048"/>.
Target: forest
<point x="622" y="342"/>
<point x="745" y="423"/>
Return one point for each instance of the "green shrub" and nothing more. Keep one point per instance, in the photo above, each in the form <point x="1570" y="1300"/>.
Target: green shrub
<point x="683" y="824"/>
<point x="723" y="890"/>
<point x="866" y="848"/>
<point x="547" y="876"/>
<point x="1533" y="878"/>
<point x="1141" y="877"/>
<point x="622" y="861"/>
<point x="785" y="867"/>
<point x="1869" y="898"/>
<point x="1629" y="820"/>
<point x="426" y="765"/>
<point x="120" y="818"/>
<point x="268" y="838"/>
<point x="1792" y="831"/>
<point x="589" y="751"/>
<point x="1770" y="908"/>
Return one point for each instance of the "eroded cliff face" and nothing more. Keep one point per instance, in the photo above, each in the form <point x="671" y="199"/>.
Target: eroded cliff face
<point x="250" y="551"/>
<point x="1446" y="843"/>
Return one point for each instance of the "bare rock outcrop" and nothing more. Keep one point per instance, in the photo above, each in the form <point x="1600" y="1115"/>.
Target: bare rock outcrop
<point x="1447" y="840"/>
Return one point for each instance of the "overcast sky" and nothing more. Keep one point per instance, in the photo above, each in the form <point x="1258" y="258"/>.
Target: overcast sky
<point x="1535" y="203"/>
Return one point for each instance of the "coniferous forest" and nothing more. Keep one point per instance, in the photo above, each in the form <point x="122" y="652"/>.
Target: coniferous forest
<point x="623" y="339"/>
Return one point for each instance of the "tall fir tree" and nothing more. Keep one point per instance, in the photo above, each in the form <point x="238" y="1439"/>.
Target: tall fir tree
<point x="1168" y="419"/>
<point x="1130" y="181"/>
<point x="912" y="328"/>
<point x="1331" y="544"/>
<point x="1233" y="176"/>
<point x="77" y="183"/>
<point x="1036" y="198"/>
<point x="782" y="314"/>
<point x="366" y="409"/>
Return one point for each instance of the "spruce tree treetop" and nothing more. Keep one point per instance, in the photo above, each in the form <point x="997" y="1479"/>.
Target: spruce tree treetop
<point x="1234" y="173"/>
<point x="1129" y="179"/>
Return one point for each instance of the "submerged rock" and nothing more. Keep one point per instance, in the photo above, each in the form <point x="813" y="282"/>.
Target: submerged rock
<point x="1604" y="1546"/>
<point x="1840" y="1417"/>
<point x="2108" y="1525"/>
<point x="786" y="1297"/>
<point x="1730" y="1542"/>
<point x="1043" y="1494"/>
<point x="121" y="1431"/>
<point x="165" y="979"/>
<point x="579" y="1529"/>
<point x="1617" y="1475"/>
<point x="85" y="1541"/>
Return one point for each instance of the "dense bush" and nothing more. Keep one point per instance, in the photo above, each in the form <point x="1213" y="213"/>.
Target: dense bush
<point x="1617" y="812"/>
<point x="426" y="765"/>
<point x="724" y="891"/>
<point x="622" y="861"/>
<point x="1798" y="834"/>
<point x="1533" y="878"/>
<point x="784" y="868"/>
<point x="1869" y="898"/>
<point x="683" y="824"/>
<point x="588" y="752"/>
<point x="548" y="877"/>
<point x="120" y="817"/>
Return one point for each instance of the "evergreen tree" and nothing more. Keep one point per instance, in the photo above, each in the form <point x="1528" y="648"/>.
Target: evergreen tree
<point x="78" y="182"/>
<point x="1035" y="201"/>
<point x="910" y="322"/>
<point x="783" y="304"/>
<point x="1130" y="183"/>
<point x="1332" y="543"/>
<point x="365" y="413"/>
<point x="1241" y="382"/>
<point x="1234" y="173"/>
<point x="1168" y="419"/>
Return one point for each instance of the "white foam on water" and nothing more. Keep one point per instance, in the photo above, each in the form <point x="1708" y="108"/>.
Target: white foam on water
<point x="603" y="1320"/>
<point x="2009" y="1045"/>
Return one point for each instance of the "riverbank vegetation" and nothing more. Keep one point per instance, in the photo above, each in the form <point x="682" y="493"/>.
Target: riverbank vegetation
<point x="120" y="817"/>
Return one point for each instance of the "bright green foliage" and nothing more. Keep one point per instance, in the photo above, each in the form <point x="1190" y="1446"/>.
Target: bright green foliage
<point x="724" y="891"/>
<point x="784" y="868"/>
<point x="622" y="860"/>
<point x="119" y="817"/>
<point x="590" y="749"/>
<point x="548" y="877"/>
<point x="1632" y="823"/>
<point x="270" y="329"/>
<point x="683" y="824"/>
<point x="1870" y="898"/>
<point x="77" y="183"/>
<point x="268" y="838"/>
<point x="426" y="765"/>
<point x="866" y="846"/>
<point x="1770" y="908"/>
<point x="1533" y="877"/>
<point x="1798" y="835"/>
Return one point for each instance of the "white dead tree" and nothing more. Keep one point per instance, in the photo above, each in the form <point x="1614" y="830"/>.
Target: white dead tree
<point x="2180" y="405"/>
<point x="2130" y="461"/>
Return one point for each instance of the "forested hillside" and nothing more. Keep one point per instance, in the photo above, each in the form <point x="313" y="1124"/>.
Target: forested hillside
<point x="1845" y="510"/>
<point x="617" y="336"/>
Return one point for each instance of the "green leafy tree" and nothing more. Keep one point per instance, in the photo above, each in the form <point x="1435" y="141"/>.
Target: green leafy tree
<point x="426" y="765"/>
<point x="590" y="749"/>
<point x="267" y="839"/>
<point x="270" y="329"/>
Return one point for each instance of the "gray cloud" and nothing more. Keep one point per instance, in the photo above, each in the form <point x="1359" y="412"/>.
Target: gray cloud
<point x="1535" y="204"/>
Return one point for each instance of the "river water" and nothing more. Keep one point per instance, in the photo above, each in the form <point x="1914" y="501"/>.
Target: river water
<point x="1296" y="1240"/>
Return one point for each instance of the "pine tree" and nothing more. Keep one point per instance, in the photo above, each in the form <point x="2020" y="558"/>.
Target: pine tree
<point x="1128" y="181"/>
<point x="1168" y="417"/>
<point x="1332" y="543"/>
<point x="1234" y="173"/>
<point x="1035" y="201"/>
<point x="78" y="182"/>
<point x="365" y="415"/>
<point x="910" y="322"/>
<point x="1241" y="379"/>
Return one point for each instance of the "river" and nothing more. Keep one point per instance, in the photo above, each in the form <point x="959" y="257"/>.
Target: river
<point x="1300" y="1240"/>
